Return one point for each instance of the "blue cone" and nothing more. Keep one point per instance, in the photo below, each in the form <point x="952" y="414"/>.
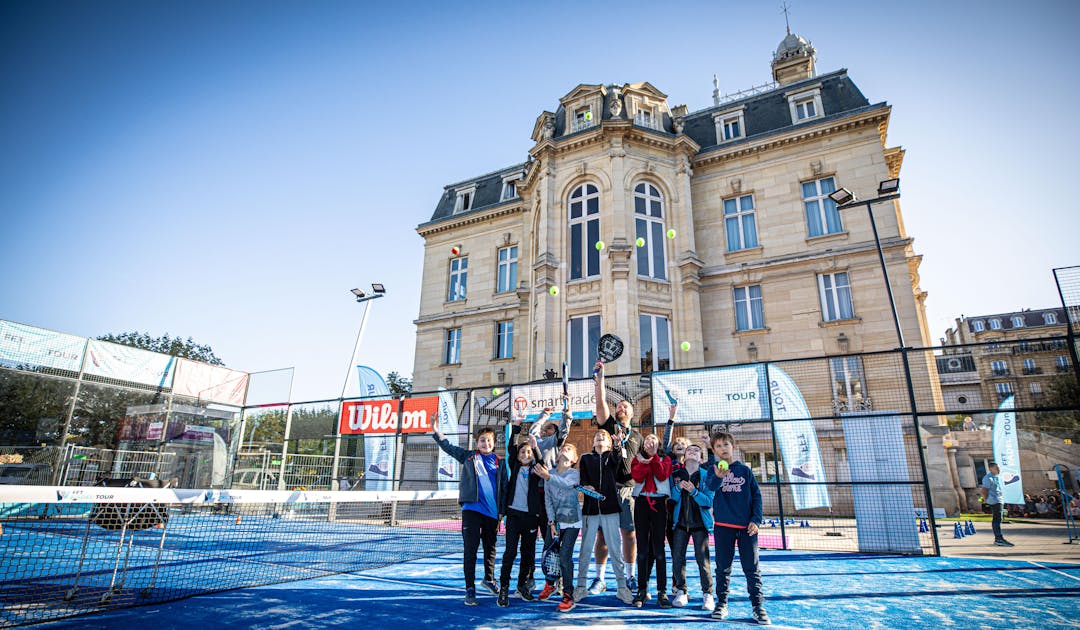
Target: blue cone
<point x="958" y="532"/>
<point x="969" y="528"/>
<point x="923" y="527"/>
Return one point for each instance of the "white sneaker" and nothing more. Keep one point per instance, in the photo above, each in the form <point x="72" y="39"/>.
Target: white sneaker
<point x="580" y="593"/>
<point x="679" y="598"/>
<point x="623" y="595"/>
<point x="707" y="602"/>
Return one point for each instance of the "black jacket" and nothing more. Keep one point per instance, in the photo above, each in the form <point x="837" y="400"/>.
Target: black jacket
<point x="606" y="473"/>
<point x="508" y="485"/>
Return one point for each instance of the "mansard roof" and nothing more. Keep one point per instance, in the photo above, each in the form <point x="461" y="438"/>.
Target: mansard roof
<point x="1032" y="319"/>
<point x="488" y="193"/>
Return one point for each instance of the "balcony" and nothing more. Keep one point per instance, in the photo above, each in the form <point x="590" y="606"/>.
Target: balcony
<point x="581" y="124"/>
<point x="1004" y="372"/>
<point x="1028" y="371"/>
<point x="1063" y="368"/>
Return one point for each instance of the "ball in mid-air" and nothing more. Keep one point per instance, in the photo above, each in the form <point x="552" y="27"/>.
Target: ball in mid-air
<point x="554" y="290"/>
<point x="454" y="251"/>
<point x="685" y="346"/>
<point x="640" y="242"/>
<point x="671" y="233"/>
<point x="722" y="464"/>
<point x="599" y="245"/>
<point x="495" y="391"/>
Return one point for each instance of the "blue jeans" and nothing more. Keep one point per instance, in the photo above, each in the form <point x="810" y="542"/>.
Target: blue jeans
<point x="726" y="538"/>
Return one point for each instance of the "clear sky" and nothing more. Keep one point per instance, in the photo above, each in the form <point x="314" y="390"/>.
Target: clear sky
<point x="229" y="170"/>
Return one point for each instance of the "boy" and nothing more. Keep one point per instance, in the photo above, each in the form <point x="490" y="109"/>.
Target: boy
<point x="651" y="470"/>
<point x="693" y="517"/>
<point x="736" y="517"/>
<point x="521" y="501"/>
<point x="601" y="471"/>
<point x="478" y="495"/>
<point x="564" y="514"/>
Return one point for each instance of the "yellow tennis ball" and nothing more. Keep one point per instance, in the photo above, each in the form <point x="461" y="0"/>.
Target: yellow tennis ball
<point x="722" y="464"/>
<point x="671" y="233"/>
<point x="599" y="245"/>
<point x="554" y="290"/>
<point x="495" y="391"/>
<point x="685" y="346"/>
<point x="640" y="242"/>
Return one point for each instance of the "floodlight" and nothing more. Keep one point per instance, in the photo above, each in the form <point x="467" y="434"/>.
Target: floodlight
<point x="889" y="186"/>
<point x="842" y="196"/>
<point x="378" y="288"/>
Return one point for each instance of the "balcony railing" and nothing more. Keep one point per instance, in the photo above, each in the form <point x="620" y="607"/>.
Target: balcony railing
<point x="1033" y="370"/>
<point x="583" y="124"/>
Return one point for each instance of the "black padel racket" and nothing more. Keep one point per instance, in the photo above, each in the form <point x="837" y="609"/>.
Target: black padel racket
<point x="608" y="349"/>
<point x="565" y="388"/>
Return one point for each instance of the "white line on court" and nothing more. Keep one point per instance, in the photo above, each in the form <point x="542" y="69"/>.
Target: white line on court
<point x="1054" y="570"/>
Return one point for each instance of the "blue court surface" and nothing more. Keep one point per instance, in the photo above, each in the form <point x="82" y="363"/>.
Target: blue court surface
<point x="803" y="590"/>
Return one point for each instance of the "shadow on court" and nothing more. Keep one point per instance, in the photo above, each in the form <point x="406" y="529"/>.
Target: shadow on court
<point x="804" y="590"/>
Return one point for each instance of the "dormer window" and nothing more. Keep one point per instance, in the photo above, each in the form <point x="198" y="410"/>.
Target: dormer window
<point x="730" y="126"/>
<point x="465" y="199"/>
<point x="583" y="118"/>
<point x="509" y="190"/>
<point x="805" y="105"/>
<point x="1050" y="318"/>
<point x="1017" y="321"/>
<point x="645" y="118"/>
<point x="978" y="325"/>
<point x="995" y="324"/>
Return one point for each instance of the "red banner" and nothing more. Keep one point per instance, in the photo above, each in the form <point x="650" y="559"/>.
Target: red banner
<point x="380" y="417"/>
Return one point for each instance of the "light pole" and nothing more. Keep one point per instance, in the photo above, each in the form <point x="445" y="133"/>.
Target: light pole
<point x="377" y="291"/>
<point x="888" y="190"/>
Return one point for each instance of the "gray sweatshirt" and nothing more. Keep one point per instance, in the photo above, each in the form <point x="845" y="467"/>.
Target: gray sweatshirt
<point x="561" y="497"/>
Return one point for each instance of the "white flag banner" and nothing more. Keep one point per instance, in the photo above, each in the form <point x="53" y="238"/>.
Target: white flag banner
<point x="1007" y="452"/>
<point x="125" y="363"/>
<point x="211" y="383"/>
<point x="380" y="453"/>
<point x="735" y="394"/>
<point x="798" y="442"/>
<point x="22" y="345"/>
<point x="449" y="472"/>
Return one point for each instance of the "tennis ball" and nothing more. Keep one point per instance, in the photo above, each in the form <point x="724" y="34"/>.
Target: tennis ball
<point x="454" y="251"/>
<point x="640" y="242"/>
<point x="599" y="245"/>
<point x="495" y="391"/>
<point x="685" y="346"/>
<point x="554" y="290"/>
<point x="722" y="464"/>
<point x="671" y="233"/>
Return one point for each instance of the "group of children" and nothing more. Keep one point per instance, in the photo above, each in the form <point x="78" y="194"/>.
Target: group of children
<point x="632" y="486"/>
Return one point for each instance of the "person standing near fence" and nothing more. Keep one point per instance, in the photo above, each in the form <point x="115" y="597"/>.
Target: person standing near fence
<point x="564" y="516"/>
<point x="521" y="501"/>
<point x="479" y="496"/>
<point x="601" y="472"/>
<point x="693" y="518"/>
<point x="550" y="437"/>
<point x="990" y="493"/>
<point x="651" y="470"/>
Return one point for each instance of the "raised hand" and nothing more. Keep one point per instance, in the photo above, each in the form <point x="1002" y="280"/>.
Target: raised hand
<point x="687" y="486"/>
<point x="541" y="471"/>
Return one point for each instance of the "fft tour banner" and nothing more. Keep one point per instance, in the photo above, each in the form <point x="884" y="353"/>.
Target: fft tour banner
<point x="1007" y="452"/>
<point x="742" y="394"/>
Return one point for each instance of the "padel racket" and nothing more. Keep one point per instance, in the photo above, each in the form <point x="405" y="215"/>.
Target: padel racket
<point x="565" y="388"/>
<point x="608" y="349"/>
<point x="590" y="493"/>
<point x="550" y="559"/>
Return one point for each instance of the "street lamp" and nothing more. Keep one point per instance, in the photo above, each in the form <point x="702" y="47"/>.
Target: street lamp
<point x="888" y="190"/>
<point x="377" y="291"/>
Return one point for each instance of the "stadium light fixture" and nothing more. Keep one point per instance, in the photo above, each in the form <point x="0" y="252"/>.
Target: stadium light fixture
<point x="889" y="186"/>
<point x="842" y="196"/>
<point x="359" y="293"/>
<point x="378" y="288"/>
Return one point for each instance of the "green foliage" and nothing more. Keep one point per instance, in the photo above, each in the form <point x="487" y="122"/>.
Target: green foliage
<point x="398" y="384"/>
<point x="1063" y="392"/>
<point x="174" y="346"/>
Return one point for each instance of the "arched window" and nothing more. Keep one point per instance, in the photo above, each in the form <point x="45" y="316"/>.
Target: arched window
<point x="584" y="222"/>
<point x="649" y="228"/>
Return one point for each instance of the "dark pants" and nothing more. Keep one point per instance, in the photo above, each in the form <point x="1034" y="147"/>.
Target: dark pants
<point x="995" y="509"/>
<point x="726" y="538"/>
<point x="567" y="539"/>
<point x="477" y="528"/>
<point x="650" y="528"/>
<point x="701" y="555"/>
<point x="520" y="530"/>
<point x="545" y="530"/>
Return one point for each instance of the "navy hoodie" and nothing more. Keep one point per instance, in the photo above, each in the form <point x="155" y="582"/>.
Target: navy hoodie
<point x="736" y="498"/>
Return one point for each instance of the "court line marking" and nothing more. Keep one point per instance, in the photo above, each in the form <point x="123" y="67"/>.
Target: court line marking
<point x="1054" y="570"/>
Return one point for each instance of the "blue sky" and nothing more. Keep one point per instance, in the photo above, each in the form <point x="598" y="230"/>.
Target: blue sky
<point x="229" y="170"/>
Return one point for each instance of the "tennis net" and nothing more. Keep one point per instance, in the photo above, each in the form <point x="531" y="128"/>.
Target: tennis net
<point x="67" y="551"/>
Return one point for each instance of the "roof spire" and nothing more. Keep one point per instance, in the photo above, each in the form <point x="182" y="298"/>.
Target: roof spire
<point x="784" y="6"/>
<point x="715" y="90"/>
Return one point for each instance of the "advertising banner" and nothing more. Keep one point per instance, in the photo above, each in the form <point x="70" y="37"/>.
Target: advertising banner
<point x="125" y="363"/>
<point x="380" y="453"/>
<point x="1007" y="452"/>
<point x="210" y="383"/>
<point x="734" y="394"/>
<point x="449" y="471"/>
<point x="380" y="417"/>
<point x="529" y="401"/>
<point x="28" y="346"/>
<point x="798" y="442"/>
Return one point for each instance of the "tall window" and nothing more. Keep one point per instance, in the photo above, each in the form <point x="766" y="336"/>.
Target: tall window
<point x="452" y="346"/>
<point x="459" y="272"/>
<point x="583" y="119"/>
<point x="999" y="368"/>
<point x="1003" y="389"/>
<point x="507" y="273"/>
<point x="649" y="226"/>
<point x="849" y="385"/>
<point x="655" y="343"/>
<point x="739" y="222"/>
<point x="645" y="119"/>
<point x="583" y="333"/>
<point x="835" y="294"/>
<point x="1029" y="366"/>
<point x="464" y="199"/>
<point x="1062" y="363"/>
<point x="504" y="339"/>
<point x="749" y="309"/>
<point x="805" y="108"/>
<point x="584" y="232"/>
<point x="1036" y="389"/>
<point x="822" y="217"/>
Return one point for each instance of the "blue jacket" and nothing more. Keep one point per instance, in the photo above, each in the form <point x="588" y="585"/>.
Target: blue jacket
<point x="702" y="497"/>
<point x="736" y="498"/>
<point x="468" y="488"/>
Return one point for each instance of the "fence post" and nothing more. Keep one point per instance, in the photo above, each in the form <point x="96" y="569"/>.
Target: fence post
<point x="284" y="447"/>
<point x="776" y="459"/>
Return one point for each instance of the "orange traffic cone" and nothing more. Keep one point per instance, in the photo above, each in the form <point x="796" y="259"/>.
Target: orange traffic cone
<point x="237" y="519"/>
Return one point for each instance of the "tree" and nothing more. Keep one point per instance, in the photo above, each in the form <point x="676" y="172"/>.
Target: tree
<point x="174" y="346"/>
<point x="1062" y="392"/>
<point x="398" y="384"/>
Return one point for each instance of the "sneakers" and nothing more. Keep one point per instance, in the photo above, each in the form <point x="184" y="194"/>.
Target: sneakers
<point x="761" y="617"/>
<point x="504" y="596"/>
<point x="525" y="594"/>
<point x="490" y="586"/>
<point x="720" y="611"/>
<point x="639" y="599"/>
<point x="707" y="602"/>
<point x="567" y="604"/>
<point x="662" y="600"/>
<point x="631" y="583"/>
<point x="580" y="593"/>
<point x="624" y="595"/>
<point x="470" y="597"/>
<point x="679" y="598"/>
<point x="547" y="592"/>
<point x="1003" y="543"/>
<point x="598" y="586"/>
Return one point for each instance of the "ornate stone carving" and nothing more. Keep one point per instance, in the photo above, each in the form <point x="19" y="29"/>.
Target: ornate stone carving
<point x="816" y="167"/>
<point x="677" y="125"/>
<point x="736" y="185"/>
<point x="616" y="104"/>
<point x="549" y="126"/>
